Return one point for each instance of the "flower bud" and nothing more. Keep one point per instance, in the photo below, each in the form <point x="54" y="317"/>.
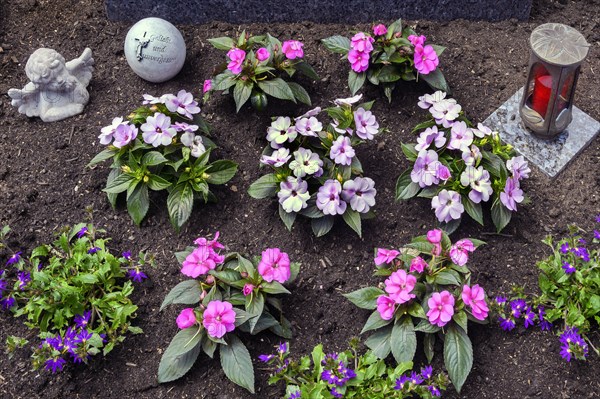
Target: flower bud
<point x="202" y="294"/>
<point x="125" y="169"/>
<point x="146" y="179"/>
<point x="248" y="288"/>
<point x="205" y="176"/>
<point x="340" y="178"/>
<point x="210" y="280"/>
<point x="244" y="274"/>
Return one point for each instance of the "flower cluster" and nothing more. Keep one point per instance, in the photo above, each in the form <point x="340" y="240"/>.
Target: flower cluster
<point x="425" y="379"/>
<point x="460" y="167"/>
<point x="158" y="147"/>
<point x="348" y="374"/>
<point x="428" y="288"/>
<point x="91" y="283"/>
<point x="315" y="169"/>
<point x="388" y="55"/>
<point x="568" y="301"/>
<point x="230" y="293"/>
<point x="255" y="68"/>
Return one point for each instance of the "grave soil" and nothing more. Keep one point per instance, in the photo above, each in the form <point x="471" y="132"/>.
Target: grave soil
<point x="44" y="185"/>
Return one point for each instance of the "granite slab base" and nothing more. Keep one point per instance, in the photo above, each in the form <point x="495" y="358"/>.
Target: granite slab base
<point x="550" y="156"/>
<point x="330" y="11"/>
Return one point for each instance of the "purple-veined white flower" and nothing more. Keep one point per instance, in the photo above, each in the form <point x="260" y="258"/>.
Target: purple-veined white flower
<point x="472" y="156"/>
<point x="313" y="112"/>
<point x="194" y="142"/>
<point x="107" y="132"/>
<point x="309" y="126"/>
<point x="461" y="137"/>
<point x="281" y="131"/>
<point x="329" y="200"/>
<point x="479" y="181"/>
<point x="293" y="194"/>
<point x="360" y="193"/>
<point x="425" y="169"/>
<point x="445" y="112"/>
<point x="447" y="205"/>
<point x="185" y="127"/>
<point x="482" y="131"/>
<point x="277" y="159"/>
<point x="305" y="163"/>
<point x="429" y="136"/>
<point x="366" y="124"/>
<point x="428" y="100"/>
<point x="348" y="101"/>
<point x="519" y="167"/>
<point x="342" y="151"/>
<point x="158" y="130"/>
<point x="124" y="134"/>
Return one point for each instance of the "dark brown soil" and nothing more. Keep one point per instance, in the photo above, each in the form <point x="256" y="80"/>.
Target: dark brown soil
<point x="44" y="185"/>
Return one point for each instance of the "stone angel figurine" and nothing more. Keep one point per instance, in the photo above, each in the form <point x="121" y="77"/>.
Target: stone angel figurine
<point x="57" y="90"/>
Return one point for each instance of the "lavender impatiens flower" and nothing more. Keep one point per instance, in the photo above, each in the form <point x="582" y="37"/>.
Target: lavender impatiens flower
<point x="447" y="205"/>
<point x="360" y="193"/>
<point x="461" y="137"/>
<point x="277" y="159"/>
<point x="281" y="131"/>
<point x="158" y="130"/>
<point x="328" y="198"/>
<point x="366" y="124"/>
<point x="482" y="131"/>
<point x="309" y="126"/>
<point x="445" y="112"/>
<point x="107" y="132"/>
<point x="342" y="151"/>
<point x="425" y="169"/>
<point x="185" y="127"/>
<point x="305" y="163"/>
<point x="293" y="194"/>
<point x="512" y="194"/>
<point x="124" y="134"/>
<point x="183" y="104"/>
<point x="479" y="181"/>
<point x="428" y="100"/>
<point x="519" y="167"/>
<point x="472" y="156"/>
<point x="431" y="135"/>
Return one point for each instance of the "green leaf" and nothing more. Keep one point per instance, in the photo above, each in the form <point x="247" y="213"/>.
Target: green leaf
<point x="157" y="183"/>
<point x="458" y="355"/>
<point x="277" y="88"/>
<point x="375" y="322"/>
<point x="474" y="210"/>
<point x="379" y="342"/>
<point x="241" y="93"/>
<point x="254" y="306"/>
<point x="389" y="74"/>
<point x="337" y="44"/>
<point x="321" y="226"/>
<point x="112" y="197"/>
<point x="266" y="186"/>
<point x="209" y="346"/>
<point x="119" y="184"/>
<point x="237" y="364"/>
<point x="102" y="156"/>
<point x="288" y="218"/>
<point x="222" y="43"/>
<point x="403" y="340"/>
<point x="436" y="80"/>
<point x="294" y="271"/>
<point x="356" y="81"/>
<point x="180" y="355"/>
<point x="258" y="100"/>
<point x="221" y="171"/>
<point x="224" y="81"/>
<point x="306" y="70"/>
<point x="410" y="152"/>
<point x="365" y="298"/>
<point x="405" y="187"/>
<point x="300" y="93"/>
<point x="153" y="158"/>
<point x="438" y="49"/>
<point x="273" y="288"/>
<point x="180" y="203"/>
<point x="461" y="319"/>
<point x="501" y="215"/>
<point x="138" y="203"/>
<point x="352" y="219"/>
<point x="428" y="345"/>
<point x="447" y="277"/>
<point x="426" y="327"/>
<point x="187" y="292"/>
<point x="396" y="26"/>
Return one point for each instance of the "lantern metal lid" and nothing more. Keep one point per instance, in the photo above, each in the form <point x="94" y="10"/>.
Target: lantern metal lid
<point x="559" y="44"/>
<point x="557" y="52"/>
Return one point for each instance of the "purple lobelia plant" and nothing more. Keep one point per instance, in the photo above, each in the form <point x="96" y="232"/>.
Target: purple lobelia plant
<point x="315" y="170"/>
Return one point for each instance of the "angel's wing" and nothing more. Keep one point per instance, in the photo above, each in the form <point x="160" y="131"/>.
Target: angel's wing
<point x="82" y="67"/>
<point x="26" y="99"/>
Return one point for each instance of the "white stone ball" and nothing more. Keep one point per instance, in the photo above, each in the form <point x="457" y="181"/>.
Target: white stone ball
<point x="155" y="49"/>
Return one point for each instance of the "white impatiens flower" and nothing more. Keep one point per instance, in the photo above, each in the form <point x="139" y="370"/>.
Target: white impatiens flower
<point x="281" y="131"/>
<point x="293" y="194"/>
<point x="305" y="163"/>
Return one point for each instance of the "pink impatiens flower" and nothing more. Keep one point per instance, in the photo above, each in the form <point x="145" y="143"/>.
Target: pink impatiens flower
<point x="417" y="40"/>
<point x="474" y="297"/>
<point x="186" y="318"/>
<point x="207" y="86"/>
<point x="218" y="318"/>
<point x="362" y="42"/>
<point x="292" y="49"/>
<point x="459" y="252"/>
<point x="435" y="237"/>
<point x="262" y="54"/>
<point x="198" y="262"/>
<point x="237" y="57"/>
<point x="399" y="285"/>
<point x="379" y="30"/>
<point x="441" y="308"/>
<point x="274" y="265"/>
<point x="359" y="60"/>
<point x="386" y="307"/>
<point x="426" y="59"/>
<point x="248" y="288"/>
<point x="417" y="264"/>
<point x="385" y="256"/>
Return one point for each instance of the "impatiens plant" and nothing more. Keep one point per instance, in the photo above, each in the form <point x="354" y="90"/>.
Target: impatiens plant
<point x="169" y="154"/>
<point x="428" y="289"/>
<point x="315" y="170"/>
<point x="257" y="66"/>
<point x="229" y="293"/>
<point x="460" y="167"/>
<point x="74" y="292"/>
<point x="389" y="55"/>
<point x="350" y="375"/>
<point x="570" y="294"/>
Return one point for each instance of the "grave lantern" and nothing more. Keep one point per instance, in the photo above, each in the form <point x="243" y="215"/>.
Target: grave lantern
<point x="557" y="52"/>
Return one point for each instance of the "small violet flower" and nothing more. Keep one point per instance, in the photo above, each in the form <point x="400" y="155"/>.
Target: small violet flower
<point x="82" y="232"/>
<point x="15" y="258"/>
<point x="568" y="268"/>
<point x="137" y="275"/>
